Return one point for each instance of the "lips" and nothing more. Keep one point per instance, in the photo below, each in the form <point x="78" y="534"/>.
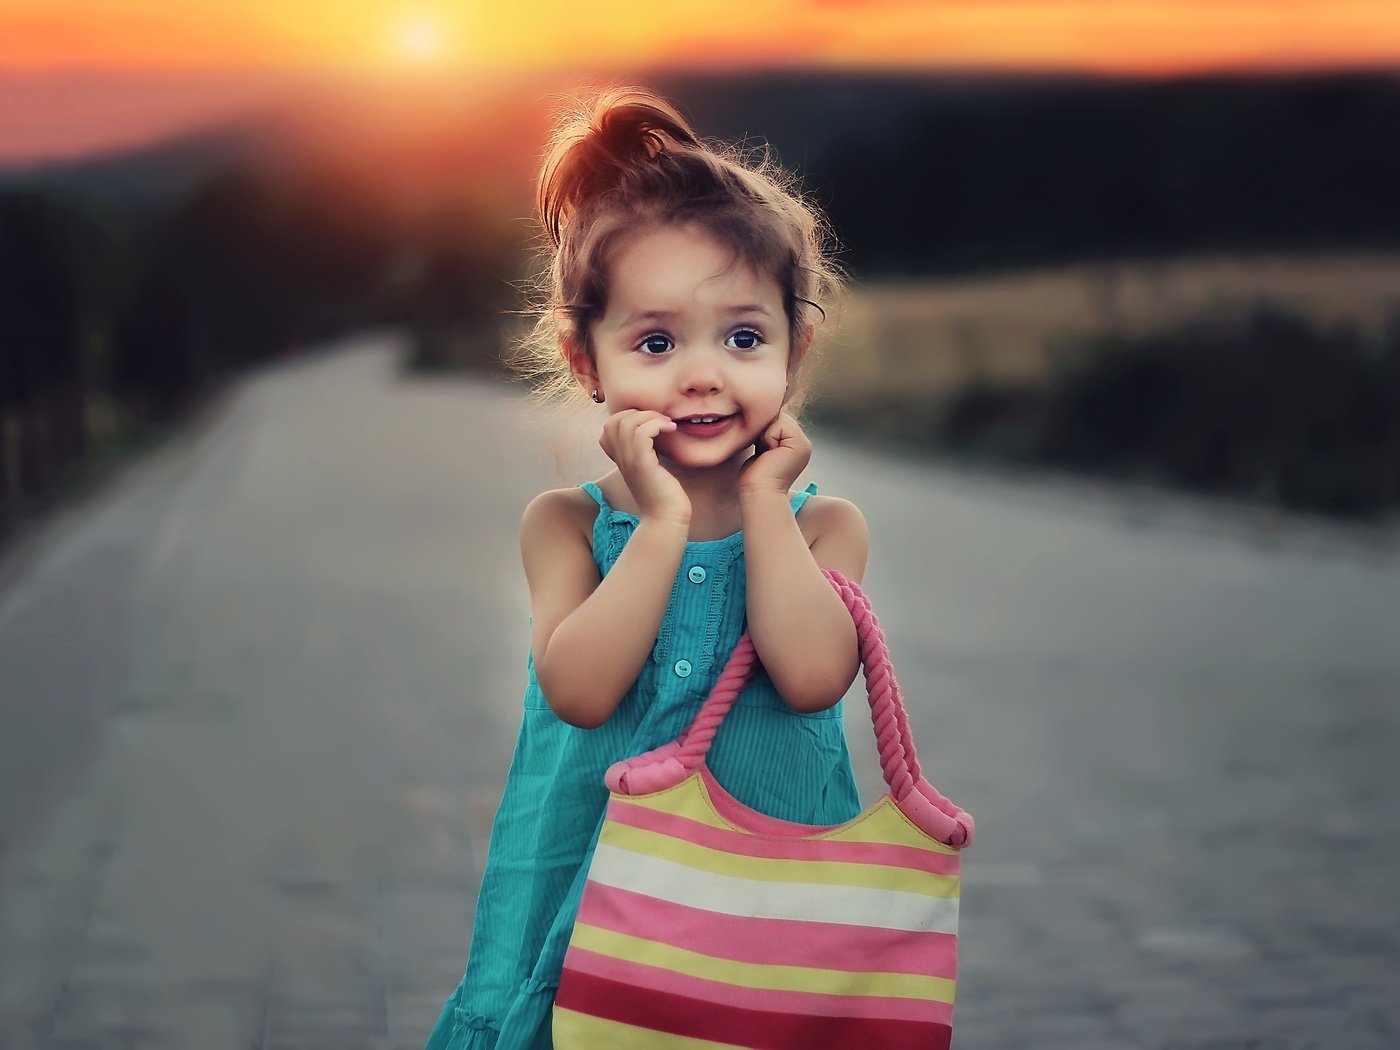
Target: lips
<point x="704" y="425"/>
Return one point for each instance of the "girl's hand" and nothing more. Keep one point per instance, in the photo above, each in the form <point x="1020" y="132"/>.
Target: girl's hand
<point x="629" y="439"/>
<point x="781" y="453"/>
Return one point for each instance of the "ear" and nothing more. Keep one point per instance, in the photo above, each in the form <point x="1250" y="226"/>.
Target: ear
<point x="797" y="353"/>
<point x="580" y="361"/>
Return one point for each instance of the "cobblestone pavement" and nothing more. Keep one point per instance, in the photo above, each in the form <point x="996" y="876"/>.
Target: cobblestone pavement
<point x="258" y="699"/>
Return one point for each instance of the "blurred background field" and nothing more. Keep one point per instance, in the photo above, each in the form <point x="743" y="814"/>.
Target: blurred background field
<point x="938" y="335"/>
<point x="1268" y="378"/>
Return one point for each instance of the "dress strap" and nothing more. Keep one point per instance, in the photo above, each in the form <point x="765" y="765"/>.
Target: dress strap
<point x="797" y="500"/>
<point x="597" y="494"/>
<point x="801" y="497"/>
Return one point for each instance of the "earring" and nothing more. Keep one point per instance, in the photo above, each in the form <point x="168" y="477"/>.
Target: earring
<point x="597" y="397"/>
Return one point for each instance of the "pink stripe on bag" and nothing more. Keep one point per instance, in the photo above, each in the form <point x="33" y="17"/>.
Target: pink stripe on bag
<point x="773" y="942"/>
<point x="814" y="1004"/>
<point x="623" y="811"/>
<point x="754" y="1029"/>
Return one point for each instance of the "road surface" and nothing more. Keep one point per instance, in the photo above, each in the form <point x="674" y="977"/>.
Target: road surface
<point x="259" y="696"/>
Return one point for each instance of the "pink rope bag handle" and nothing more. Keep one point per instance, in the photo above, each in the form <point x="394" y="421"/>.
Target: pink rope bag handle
<point x="916" y="798"/>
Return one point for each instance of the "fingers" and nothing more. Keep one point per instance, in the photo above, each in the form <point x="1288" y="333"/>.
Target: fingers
<point x="629" y="439"/>
<point x="629" y="436"/>
<point x="784" y="431"/>
<point x="781" y="453"/>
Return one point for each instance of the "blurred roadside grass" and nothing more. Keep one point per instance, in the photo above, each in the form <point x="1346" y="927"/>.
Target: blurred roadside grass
<point x="1274" y="379"/>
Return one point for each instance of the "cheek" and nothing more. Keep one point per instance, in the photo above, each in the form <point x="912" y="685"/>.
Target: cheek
<point x="771" y="390"/>
<point x="630" y="383"/>
<point x="642" y="393"/>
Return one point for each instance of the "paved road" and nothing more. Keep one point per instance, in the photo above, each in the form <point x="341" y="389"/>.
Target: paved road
<point x="257" y="701"/>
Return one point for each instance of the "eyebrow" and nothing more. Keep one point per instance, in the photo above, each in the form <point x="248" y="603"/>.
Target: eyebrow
<point x="666" y="315"/>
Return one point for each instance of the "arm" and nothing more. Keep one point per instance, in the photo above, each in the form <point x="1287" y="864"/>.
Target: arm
<point x="591" y="637"/>
<point x="801" y="628"/>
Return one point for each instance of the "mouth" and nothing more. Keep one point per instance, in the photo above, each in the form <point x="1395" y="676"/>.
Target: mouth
<point x="704" y="426"/>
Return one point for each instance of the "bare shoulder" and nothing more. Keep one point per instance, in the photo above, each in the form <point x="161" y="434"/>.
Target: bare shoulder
<point x="556" y="547"/>
<point x="836" y="534"/>
<point x="821" y="514"/>
<point x="557" y="514"/>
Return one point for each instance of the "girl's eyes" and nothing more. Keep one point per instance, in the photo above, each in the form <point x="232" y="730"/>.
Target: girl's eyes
<point x="747" y="337"/>
<point x="744" y="339"/>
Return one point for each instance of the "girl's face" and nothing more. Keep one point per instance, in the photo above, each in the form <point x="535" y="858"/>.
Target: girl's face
<point x="696" y="334"/>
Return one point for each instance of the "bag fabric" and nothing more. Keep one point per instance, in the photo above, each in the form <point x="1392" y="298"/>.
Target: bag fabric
<point x="705" y="924"/>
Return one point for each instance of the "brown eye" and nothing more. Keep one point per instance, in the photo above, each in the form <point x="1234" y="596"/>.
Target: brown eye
<point x="744" y="339"/>
<point x="656" y="344"/>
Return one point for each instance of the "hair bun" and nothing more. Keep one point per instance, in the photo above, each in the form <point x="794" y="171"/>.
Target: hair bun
<point x="634" y="126"/>
<point x="594" y="151"/>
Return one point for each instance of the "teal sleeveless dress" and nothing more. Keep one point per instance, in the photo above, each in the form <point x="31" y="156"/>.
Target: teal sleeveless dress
<point x="779" y="762"/>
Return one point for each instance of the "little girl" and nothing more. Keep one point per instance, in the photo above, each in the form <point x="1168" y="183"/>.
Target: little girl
<point x="684" y="294"/>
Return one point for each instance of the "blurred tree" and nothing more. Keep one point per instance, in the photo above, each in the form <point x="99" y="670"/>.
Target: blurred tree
<point x="453" y="286"/>
<point x="224" y="242"/>
<point x="239" y="271"/>
<point x="155" y="366"/>
<point x="41" y="366"/>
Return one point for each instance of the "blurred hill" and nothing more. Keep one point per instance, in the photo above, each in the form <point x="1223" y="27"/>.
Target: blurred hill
<point x="920" y="173"/>
<point x="935" y="175"/>
<point x="394" y="136"/>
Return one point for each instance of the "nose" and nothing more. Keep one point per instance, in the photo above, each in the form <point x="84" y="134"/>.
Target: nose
<point x="702" y="373"/>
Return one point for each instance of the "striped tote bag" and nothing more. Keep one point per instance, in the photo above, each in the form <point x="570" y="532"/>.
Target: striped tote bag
<point x="706" y="925"/>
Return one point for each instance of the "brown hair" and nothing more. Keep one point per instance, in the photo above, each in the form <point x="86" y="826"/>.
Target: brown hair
<point x="630" y="160"/>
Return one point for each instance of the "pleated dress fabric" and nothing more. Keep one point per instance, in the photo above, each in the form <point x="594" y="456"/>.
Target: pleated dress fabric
<point x="787" y="765"/>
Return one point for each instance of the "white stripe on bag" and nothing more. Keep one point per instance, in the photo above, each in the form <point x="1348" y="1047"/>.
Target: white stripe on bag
<point x="848" y="905"/>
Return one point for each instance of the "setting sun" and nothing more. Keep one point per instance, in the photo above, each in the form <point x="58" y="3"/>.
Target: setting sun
<point x="1141" y="36"/>
<point x="421" y="40"/>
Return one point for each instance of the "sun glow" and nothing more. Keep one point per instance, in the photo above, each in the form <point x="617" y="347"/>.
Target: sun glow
<point x="1132" y="36"/>
<point x="421" y="40"/>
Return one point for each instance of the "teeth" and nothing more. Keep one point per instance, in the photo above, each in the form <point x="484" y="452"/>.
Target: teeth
<point x="704" y="419"/>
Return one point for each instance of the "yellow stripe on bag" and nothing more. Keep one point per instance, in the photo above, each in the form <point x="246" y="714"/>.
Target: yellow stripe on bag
<point x="576" y="1029"/>
<point x="687" y="799"/>
<point x="763" y="869"/>
<point x="882" y="823"/>
<point x="752" y="975"/>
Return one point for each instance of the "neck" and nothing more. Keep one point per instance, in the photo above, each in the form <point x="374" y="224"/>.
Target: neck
<point x="713" y="493"/>
<point x="714" y="498"/>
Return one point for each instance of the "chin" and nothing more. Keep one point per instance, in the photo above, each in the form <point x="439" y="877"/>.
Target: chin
<point x="698" y="459"/>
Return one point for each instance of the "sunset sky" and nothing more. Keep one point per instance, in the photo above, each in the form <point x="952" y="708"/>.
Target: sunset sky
<point x="220" y="51"/>
<point x="1127" y="35"/>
